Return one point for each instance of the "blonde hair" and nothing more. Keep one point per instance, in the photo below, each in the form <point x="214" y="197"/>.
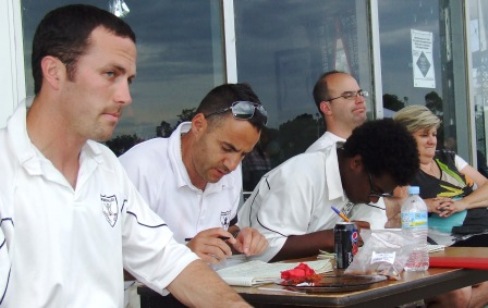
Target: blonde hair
<point x="416" y="117"/>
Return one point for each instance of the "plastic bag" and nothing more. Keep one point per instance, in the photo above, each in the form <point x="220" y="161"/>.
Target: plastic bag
<point x="384" y="252"/>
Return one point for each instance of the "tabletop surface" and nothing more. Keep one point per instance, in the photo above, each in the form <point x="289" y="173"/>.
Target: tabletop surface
<point x="411" y="287"/>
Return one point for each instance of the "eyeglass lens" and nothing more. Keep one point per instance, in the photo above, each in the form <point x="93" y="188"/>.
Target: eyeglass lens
<point x="375" y="196"/>
<point x="351" y="95"/>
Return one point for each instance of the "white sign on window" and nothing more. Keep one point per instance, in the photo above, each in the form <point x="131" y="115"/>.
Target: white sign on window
<point x="423" y="63"/>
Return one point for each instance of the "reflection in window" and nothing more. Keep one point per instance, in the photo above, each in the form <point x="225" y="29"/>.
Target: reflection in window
<point x="478" y="24"/>
<point x="411" y="57"/>
<point x="180" y="58"/>
<point x="282" y="49"/>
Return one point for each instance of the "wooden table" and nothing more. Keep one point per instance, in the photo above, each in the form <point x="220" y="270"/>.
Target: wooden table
<point x="412" y="287"/>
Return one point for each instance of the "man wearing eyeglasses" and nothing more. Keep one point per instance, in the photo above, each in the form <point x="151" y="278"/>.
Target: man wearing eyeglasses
<point x="193" y="179"/>
<point x="342" y="104"/>
<point x="292" y="204"/>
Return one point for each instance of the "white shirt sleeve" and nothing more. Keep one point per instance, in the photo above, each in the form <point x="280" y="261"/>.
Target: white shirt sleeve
<point x="151" y="254"/>
<point x="282" y="204"/>
<point x="459" y="162"/>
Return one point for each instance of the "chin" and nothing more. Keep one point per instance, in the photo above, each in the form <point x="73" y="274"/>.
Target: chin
<point x="102" y="137"/>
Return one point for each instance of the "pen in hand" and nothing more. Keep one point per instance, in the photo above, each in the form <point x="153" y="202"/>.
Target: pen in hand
<point x="341" y="215"/>
<point x="224" y="238"/>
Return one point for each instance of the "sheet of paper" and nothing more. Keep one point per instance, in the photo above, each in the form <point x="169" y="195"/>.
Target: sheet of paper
<point x="257" y="272"/>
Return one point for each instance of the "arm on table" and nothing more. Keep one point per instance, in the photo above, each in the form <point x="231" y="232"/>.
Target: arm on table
<point x="198" y="285"/>
<point x="306" y="245"/>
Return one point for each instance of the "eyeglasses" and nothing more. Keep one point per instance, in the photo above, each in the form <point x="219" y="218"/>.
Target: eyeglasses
<point x="245" y="110"/>
<point x="375" y="196"/>
<point x="351" y="95"/>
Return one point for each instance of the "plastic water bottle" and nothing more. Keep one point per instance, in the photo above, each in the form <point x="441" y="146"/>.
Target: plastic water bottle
<point x="414" y="225"/>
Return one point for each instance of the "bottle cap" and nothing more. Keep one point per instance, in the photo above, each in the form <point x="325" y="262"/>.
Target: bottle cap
<point x="413" y="190"/>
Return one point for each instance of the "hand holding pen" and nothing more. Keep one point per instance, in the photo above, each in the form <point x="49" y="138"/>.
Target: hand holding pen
<point x="212" y="245"/>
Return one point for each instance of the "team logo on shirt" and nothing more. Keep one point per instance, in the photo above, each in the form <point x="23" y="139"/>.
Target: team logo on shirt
<point x="225" y="219"/>
<point x="110" y="208"/>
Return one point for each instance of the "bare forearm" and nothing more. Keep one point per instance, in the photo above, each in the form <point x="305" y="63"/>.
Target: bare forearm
<point x="307" y="245"/>
<point x="198" y="285"/>
<point x="478" y="198"/>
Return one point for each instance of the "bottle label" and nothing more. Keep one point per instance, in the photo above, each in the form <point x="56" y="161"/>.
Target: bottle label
<point x="414" y="220"/>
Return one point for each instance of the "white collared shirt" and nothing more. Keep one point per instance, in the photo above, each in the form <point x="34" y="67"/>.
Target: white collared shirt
<point x="374" y="214"/>
<point x="295" y="198"/>
<point x="66" y="247"/>
<point x="157" y="170"/>
<point x="326" y="140"/>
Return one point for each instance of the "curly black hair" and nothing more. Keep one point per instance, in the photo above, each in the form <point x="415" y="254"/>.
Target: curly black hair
<point x="386" y="147"/>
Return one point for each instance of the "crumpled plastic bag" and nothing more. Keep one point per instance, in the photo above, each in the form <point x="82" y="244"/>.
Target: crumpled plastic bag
<point x="385" y="252"/>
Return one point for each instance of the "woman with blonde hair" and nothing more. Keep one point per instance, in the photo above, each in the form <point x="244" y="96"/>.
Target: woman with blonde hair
<point x="455" y="192"/>
<point x="456" y="195"/>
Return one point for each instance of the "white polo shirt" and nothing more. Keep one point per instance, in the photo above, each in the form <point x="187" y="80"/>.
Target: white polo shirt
<point x="374" y="214"/>
<point x="67" y="247"/>
<point x="157" y="170"/>
<point x="295" y="198"/>
<point x="326" y="140"/>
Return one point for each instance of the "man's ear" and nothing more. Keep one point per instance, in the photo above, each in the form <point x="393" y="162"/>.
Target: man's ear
<point x="325" y="107"/>
<point x="356" y="163"/>
<point x="198" y="124"/>
<point x="53" y="71"/>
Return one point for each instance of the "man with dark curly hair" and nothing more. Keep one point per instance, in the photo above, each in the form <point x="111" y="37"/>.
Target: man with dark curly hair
<point x="291" y="205"/>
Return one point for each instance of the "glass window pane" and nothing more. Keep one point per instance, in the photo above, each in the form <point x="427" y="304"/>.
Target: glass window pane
<point x="284" y="46"/>
<point x="478" y="30"/>
<point x="421" y="64"/>
<point x="180" y="58"/>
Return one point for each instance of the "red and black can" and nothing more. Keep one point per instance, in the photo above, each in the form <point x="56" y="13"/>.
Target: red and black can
<point x="345" y="243"/>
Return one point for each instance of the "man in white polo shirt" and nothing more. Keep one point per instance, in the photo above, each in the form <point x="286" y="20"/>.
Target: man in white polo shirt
<point x="193" y="179"/>
<point x="292" y="204"/>
<point x="70" y="219"/>
<point x="342" y="104"/>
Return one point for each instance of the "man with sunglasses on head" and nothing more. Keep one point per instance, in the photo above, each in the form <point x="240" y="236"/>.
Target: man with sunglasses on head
<point x="193" y="179"/>
<point x="342" y="104"/>
<point x="292" y="204"/>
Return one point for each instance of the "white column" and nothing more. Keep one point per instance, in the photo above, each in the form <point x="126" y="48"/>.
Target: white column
<point x="12" y="75"/>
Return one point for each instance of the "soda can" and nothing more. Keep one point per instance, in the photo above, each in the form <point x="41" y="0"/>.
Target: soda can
<point x="345" y="243"/>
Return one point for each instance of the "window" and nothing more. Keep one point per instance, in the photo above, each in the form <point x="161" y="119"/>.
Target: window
<point x="180" y="58"/>
<point x="422" y="64"/>
<point x="282" y="49"/>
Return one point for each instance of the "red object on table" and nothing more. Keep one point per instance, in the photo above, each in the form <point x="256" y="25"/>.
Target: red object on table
<point x="457" y="262"/>
<point x="460" y="257"/>
<point x="301" y="273"/>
